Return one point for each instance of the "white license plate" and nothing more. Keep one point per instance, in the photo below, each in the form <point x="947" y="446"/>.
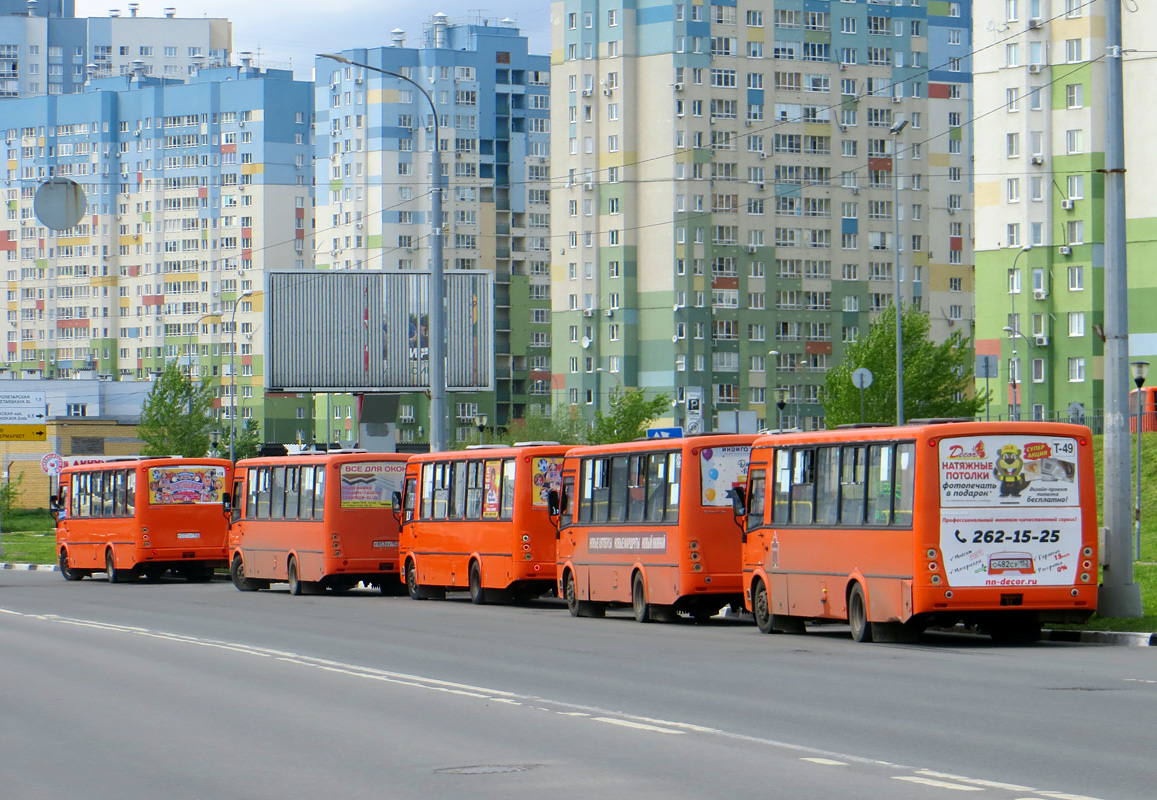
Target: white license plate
<point x="193" y="535"/>
<point x="383" y="543"/>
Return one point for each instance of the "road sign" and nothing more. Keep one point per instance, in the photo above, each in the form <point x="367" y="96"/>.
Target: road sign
<point x="862" y="378"/>
<point x="52" y="464"/>
<point x="23" y="433"/>
<point x="664" y="433"/>
<point x="22" y="408"/>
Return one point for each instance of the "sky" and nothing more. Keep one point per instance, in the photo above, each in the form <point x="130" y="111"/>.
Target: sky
<point x="285" y="31"/>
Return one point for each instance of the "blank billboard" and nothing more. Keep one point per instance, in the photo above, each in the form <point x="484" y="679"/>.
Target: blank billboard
<point x="361" y="331"/>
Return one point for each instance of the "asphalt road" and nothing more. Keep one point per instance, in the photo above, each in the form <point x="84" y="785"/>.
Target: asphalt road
<point x="179" y="690"/>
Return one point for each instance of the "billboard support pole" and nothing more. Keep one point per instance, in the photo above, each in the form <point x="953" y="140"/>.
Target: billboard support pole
<point x="437" y="335"/>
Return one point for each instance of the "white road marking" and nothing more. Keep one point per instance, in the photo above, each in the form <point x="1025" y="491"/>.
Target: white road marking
<point x="639" y="726"/>
<point x="1012" y="787"/>
<point x="559" y="707"/>
<point x="938" y="784"/>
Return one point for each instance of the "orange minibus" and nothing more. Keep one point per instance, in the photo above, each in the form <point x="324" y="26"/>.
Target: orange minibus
<point x="131" y="517"/>
<point x="315" y="521"/>
<point x="895" y="529"/>
<point x="1147" y="396"/>
<point x="649" y="524"/>
<point x="477" y="520"/>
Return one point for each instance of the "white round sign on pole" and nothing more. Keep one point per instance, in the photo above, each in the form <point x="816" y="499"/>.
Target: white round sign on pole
<point x="862" y="378"/>
<point x="52" y="464"/>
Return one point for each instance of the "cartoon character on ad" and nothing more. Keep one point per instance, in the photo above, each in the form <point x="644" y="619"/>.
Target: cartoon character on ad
<point x="1009" y="470"/>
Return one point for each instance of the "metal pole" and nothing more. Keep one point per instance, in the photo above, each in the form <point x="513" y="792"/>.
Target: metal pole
<point x="861" y="405"/>
<point x="437" y="327"/>
<point x="233" y="375"/>
<point x="1137" y="502"/>
<point x="1119" y="596"/>
<point x="896" y="272"/>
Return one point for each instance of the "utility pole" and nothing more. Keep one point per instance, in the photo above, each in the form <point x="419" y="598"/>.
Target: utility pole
<point x="1118" y="595"/>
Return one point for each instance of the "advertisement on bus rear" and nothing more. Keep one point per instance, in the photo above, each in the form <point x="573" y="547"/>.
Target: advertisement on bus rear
<point x="721" y="469"/>
<point x="185" y="485"/>
<point x="371" y="484"/>
<point x="1009" y="510"/>
<point x="547" y="475"/>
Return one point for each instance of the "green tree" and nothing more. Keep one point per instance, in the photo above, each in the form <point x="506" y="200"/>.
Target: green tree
<point x="934" y="374"/>
<point x="246" y="441"/>
<point x="10" y="494"/>
<point x="177" y="416"/>
<point x="630" y="413"/>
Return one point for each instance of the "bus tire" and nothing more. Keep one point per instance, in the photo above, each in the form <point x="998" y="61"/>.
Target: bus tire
<point x="296" y="586"/>
<point x="643" y="610"/>
<point x="761" y="607"/>
<point x="412" y="587"/>
<point x="66" y="571"/>
<point x="110" y="568"/>
<point x="237" y="573"/>
<point x="477" y="593"/>
<point x="858" y="614"/>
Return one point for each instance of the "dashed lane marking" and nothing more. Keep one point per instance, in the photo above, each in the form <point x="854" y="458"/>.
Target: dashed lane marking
<point x="827" y="762"/>
<point x="938" y="784"/>
<point x="1012" y="787"/>
<point x="639" y="726"/>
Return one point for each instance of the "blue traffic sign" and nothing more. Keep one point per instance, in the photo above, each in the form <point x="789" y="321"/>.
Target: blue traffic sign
<point x="664" y="433"/>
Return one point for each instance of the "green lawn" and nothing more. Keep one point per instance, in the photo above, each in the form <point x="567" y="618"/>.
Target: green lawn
<point x="29" y="547"/>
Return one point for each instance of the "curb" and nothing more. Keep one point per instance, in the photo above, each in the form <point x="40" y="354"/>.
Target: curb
<point x="1119" y="638"/>
<point x="31" y="567"/>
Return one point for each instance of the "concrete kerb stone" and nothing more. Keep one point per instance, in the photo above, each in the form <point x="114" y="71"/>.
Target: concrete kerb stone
<point x="31" y="567"/>
<point x="1118" y="638"/>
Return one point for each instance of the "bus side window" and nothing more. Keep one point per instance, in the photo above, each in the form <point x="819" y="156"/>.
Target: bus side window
<point x="238" y="498"/>
<point x="674" y="476"/>
<point x="803" y="478"/>
<point x="756" y="491"/>
<point x="852" y="479"/>
<point x="507" y="510"/>
<point x="905" y="484"/>
<point x="458" y="491"/>
<point x="781" y="499"/>
<point x="474" y="489"/>
<point x="292" y="491"/>
<point x="409" y="499"/>
<point x="262" y="493"/>
<point x="656" y="486"/>
<point x="618" y="510"/>
<point x="305" y="505"/>
<point x="277" y="493"/>
<point x="636" y="488"/>
<point x="879" y="485"/>
<point x="601" y="496"/>
<point x="427" y="491"/>
<point x="319" y="494"/>
<point x="131" y="492"/>
<point x="567" y="515"/>
<point x="586" y="502"/>
<point x="441" y="489"/>
<point x="110" y="494"/>
<point x="827" y="485"/>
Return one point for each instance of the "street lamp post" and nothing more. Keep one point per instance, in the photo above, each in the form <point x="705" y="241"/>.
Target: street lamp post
<point x="437" y="285"/>
<point x="771" y="382"/>
<point x="1013" y="332"/>
<point x="618" y="380"/>
<point x="480" y="423"/>
<point x="1012" y="319"/>
<point x="895" y="130"/>
<point x="780" y="403"/>
<point x="233" y="374"/>
<point x="1140" y="371"/>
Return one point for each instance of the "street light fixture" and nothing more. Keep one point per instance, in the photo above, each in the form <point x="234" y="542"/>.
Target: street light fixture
<point x="780" y="403"/>
<point x="615" y="375"/>
<point x="1012" y="332"/>
<point x="233" y="374"/>
<point x="1140" y="370"/>
<point x="895" y="131"/>
<point x="480" y="423"/>
<point x="437" y="285"/>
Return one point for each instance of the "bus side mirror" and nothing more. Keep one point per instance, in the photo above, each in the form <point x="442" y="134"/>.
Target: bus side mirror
<point x="555" y="503"/>
<point x="226" y="505"/>
<point x="53" y="503"/>
<point x="396" y="498"/>
<point x="738" y="501"/>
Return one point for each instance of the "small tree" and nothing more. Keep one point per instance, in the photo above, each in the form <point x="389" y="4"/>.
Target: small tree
<point x="10" y="494"/>
<point x="177" y="416"/>
<point x="934" y="374"/>
<point x="559" y="427"/>
<point x="247" y="440"/>
<point x="630" y="413"/>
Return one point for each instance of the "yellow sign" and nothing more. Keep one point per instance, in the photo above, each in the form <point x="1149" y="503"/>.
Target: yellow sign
<point x="23" y="433"/>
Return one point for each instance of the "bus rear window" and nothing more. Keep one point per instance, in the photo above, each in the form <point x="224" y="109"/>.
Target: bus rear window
<point x="185" y="485"/>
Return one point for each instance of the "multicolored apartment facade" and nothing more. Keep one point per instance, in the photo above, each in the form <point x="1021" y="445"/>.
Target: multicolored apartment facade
<point x="724" y="206"/>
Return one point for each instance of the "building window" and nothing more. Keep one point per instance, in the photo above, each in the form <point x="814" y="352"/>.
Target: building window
<point x="1076" y="323"/>
<point x="1076" y="370"/>
<point x="1076" y="279"/>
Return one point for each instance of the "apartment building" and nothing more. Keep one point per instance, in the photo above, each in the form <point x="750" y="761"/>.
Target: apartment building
<point x="725" y="194"/>
<point x="193" y="190"/>
<point x="373" y="172"/>
<point x="1040" y="72"/>
<point x="45" y="49"/>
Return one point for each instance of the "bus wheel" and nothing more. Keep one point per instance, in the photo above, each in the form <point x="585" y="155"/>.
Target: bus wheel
<point x="858" y="615"/>
<point x="412" y="587"/>
<point x="639" y="600"/>
<point x="761" y="607"/>
<point x="477" y="593"/>
<point x="67" y="572"/>
<point x="110" y="568"/>
<point x="296" y="587"/>
<point x="570" y="594"/>
<point x="237" y="573"/>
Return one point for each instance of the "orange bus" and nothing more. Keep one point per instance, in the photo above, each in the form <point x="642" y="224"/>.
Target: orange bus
<point x="648" y="524"/>
<point x="315" y="521"/>
<point x="894" y="529"/>
<point x="1148" y="399"/>
<point x="477" y="520"/>
<point x="133" y="517"/>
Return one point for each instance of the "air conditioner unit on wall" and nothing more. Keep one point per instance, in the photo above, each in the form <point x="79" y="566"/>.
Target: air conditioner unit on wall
<point x="1042" y="341"/>
<point x="1065" y="250"/>
<point x="1040" y="294"/>
<point x="1067" y="205"/>
<point x="1038" y="160"/>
